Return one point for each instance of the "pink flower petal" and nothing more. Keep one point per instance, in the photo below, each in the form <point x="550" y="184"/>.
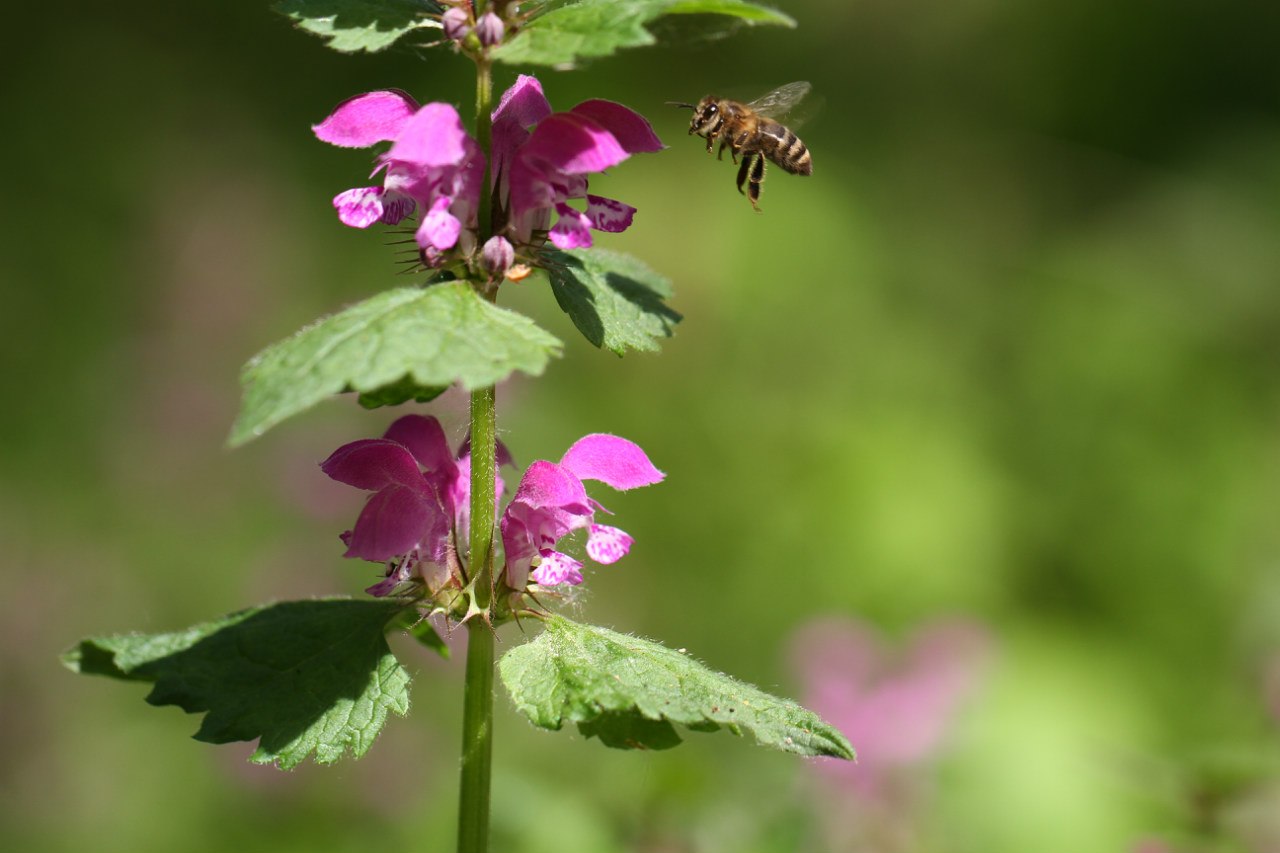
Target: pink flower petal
<point x="572" y="230"/>
<point x="530" y="188"/>
<point x="517" y="546"/>
<point x="392" y="523"/>
<point x="607" y="544"/>
<point x="456" y="23"/>
<point x="458" y="489"/>
<point x="490" y="29"/>
<point x="367" y="119"/>
<point x="607" y="214"/>
<point x="573" y="143"/>
<point x="612" y="460"/>
<point x="434" y="136"/>
<point x="498" y="255"/>
<point x="439" y="227"/>
<point x="359" y="207"/>
<point x="424" y="438"/>
<point x="548" y="485"/>
<point x="373" y="463"/>
<point x="557" y="568"/>
<point x="395" y="207"/>
<point x="523" y="105"/>
<point x="632" y="130"/>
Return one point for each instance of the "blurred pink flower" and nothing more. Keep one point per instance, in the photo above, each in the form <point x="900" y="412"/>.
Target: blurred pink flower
<point x="896" y="706"/>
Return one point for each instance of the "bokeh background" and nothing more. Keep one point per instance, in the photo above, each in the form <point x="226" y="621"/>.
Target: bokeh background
<point x="973" y="438"/>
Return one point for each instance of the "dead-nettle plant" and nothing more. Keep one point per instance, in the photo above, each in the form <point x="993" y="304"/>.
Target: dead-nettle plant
<point x="503" y="201"/>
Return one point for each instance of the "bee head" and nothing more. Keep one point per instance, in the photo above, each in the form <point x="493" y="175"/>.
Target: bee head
<point x="706" y="117"/>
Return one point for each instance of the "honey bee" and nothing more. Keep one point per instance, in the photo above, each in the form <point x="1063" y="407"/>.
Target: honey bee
<point x="754" y="131"/>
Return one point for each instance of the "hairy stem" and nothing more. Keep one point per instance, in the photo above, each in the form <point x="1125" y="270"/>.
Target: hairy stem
<point x="477" y="741"/>
<point x="484" y="136"/>
<point x="477" y="708"/>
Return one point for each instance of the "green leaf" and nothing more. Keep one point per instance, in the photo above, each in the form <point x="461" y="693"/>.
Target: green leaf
<point x="430" y="337"/>
<point x="302" y="677"/>
<point x="415" y="625"/>
<point x="628" y="691"/>
<point x="614" y="299"/>
<point x="591" y="28"/>
<point x="353" y="25"/>
<point x="399" y="392"/>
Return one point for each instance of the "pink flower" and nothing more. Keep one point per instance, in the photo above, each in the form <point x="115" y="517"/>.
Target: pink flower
<point x="420" y="508"/>
<point x="419" y="513"/>
<point x="434" y="168"/>
<point x="432" y="165"/>
<point x="456" y="23"/>
<point x="896" y="707"/>
<point x="490" y="29"/>
<point x="552" y="502"/>
<point x="538" y="171"/>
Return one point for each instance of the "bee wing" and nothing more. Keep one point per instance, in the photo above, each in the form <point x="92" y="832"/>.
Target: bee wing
<point x="782" y="100"/>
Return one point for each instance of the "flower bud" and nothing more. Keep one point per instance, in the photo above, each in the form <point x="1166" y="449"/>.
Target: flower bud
<point x="489" y="29"/>
<point x="456" y="23"/>
<point x="498" y="255"/>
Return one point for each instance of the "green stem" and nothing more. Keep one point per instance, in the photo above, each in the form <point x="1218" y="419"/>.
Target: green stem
<point x="477" y="707"/>
<point x="477" y="740"/>
<point x="484" y="136"/>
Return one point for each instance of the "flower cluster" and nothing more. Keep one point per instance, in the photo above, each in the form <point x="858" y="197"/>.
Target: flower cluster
<point x="459" y="21"/>
<point x="551" y="502"/>
<point x="419" y="511"/>
<point x="542" y="159"/>
<point x="540" y="162"/>
<point x="421" y="504"/>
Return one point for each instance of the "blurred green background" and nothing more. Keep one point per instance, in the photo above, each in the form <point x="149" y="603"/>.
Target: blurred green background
<point x="1010" y="355"/>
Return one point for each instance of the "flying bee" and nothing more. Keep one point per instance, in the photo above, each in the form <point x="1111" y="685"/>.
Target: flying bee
<point x="754" y="131"/>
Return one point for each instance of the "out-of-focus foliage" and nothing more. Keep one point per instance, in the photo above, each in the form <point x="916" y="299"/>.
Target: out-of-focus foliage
<point x="1010" y="354"/>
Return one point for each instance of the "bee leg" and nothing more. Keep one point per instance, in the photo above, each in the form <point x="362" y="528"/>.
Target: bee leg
<point x="743" y="170"/>
<point x="755" y="179"/>
<point x="710" y="142"/>
<point x="720" y="153"/>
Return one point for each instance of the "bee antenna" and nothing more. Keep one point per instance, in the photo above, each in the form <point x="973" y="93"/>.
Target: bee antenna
<point x="680" y="104"/>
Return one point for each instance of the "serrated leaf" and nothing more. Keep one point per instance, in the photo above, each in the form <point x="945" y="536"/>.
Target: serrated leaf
<point x="615" y="300"/>
<point x="431" y="336"/>
<point x="301" y="677"/>
<point x="353" y="25"/>
<point x="593" y="28"/>
<point x="628" y="691"/>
